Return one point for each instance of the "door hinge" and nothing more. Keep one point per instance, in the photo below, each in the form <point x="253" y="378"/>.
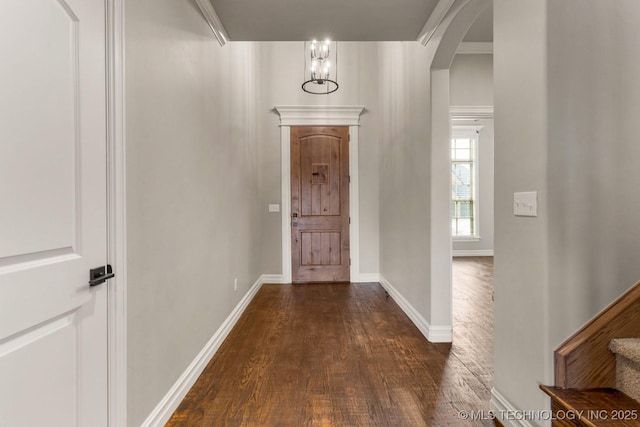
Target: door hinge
<point x="349" y="179"/>
<point x="349" y="261"/>
<point x="99" y="275"/>
<point x="349" y="220"/>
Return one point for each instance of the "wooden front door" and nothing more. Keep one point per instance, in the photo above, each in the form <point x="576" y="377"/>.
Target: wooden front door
<point x="320" y="204"/>
<point x="53" y="213"/>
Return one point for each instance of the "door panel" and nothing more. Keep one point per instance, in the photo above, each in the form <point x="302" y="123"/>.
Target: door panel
<point x="321" y="248"/>
<point x="53" y="215"/>
<point x="27" y="366"/>
<point x="320" y="204"/>
<point x="46" y="112"/>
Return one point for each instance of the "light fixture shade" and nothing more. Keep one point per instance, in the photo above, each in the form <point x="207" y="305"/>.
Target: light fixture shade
<point x="320" y="67"/>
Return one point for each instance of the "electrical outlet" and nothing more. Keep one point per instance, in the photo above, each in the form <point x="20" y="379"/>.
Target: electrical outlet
<point x="235" y="284"/>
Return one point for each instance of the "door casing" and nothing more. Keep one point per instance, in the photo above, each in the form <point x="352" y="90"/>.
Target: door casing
<point x="116" y="216"/>
<point x="320" y="115"/>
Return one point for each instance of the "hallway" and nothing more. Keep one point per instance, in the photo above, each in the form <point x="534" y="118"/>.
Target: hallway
<point x="346" y="355"/>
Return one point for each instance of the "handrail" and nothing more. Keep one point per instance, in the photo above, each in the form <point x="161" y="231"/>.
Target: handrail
<point x="584" y="360"/>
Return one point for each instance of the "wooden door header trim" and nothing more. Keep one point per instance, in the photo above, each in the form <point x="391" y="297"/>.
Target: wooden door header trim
<point x="319" y="115"/>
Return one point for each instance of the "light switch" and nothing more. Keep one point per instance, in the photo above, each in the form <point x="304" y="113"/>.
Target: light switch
<point x="274" y="208"/>
<point x="525" y="204"/>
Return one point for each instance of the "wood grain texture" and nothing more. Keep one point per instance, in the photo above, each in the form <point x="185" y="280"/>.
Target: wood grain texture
<point x="584" y="360"/>
<point x="346" y="355"/>
<point x="320" y="204"/>
<point x="600" y="407"/>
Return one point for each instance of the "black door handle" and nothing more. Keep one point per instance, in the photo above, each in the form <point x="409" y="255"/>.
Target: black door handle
<point x="99" y="275"/>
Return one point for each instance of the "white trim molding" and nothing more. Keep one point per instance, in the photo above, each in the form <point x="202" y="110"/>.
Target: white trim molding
<point x="320" y="115"/>
<point x="479" y="252"/>
<point x="435" y="19"/>
<point x="479" y="48"/>
<point x="272" y="279"/>
<point x="116" y="217"/>
<point x="499" y="406"/>
<point x="170" y="402"/>
<point x="369" y="278"/>
<point x="471" y="112"/>
<point x="465" y="239"/>
<point x="466" y="130"/>
<point x="213" y="20"/>
<point x="432" y="333"/>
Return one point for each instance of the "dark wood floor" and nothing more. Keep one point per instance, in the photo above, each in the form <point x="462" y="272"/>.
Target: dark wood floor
<point x="346" y="355"/>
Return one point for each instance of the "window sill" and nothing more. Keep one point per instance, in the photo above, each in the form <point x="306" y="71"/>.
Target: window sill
<point x="465" y="239"/>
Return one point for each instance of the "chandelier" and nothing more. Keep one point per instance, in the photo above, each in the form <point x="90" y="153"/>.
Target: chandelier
<point x="321" y="68"/>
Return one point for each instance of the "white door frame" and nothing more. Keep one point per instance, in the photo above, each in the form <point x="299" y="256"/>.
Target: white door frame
<point x="116" y="217"/>
<point x="320" y="115"/>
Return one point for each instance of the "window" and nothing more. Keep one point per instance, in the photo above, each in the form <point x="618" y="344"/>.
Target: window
<point x="463" y="182"/>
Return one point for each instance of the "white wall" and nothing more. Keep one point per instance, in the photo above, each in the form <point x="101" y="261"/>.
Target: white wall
<point x="594" y="100"/>
<point x="566" y="97"/>
<point x="471" y="78"/>
<point x="405" y="171"/>
<point x="521" y="355"/>
<point x="194" y="220"/>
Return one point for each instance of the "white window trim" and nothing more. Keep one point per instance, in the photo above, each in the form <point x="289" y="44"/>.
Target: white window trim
<point x="466" y="238"/>
<point x="471" y="132"/>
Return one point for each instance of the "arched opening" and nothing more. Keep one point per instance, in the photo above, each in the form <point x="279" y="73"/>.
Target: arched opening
<point x="448" y="37"/>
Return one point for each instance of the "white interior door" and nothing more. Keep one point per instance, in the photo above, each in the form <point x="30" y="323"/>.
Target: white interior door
<point x="53" y="348"/>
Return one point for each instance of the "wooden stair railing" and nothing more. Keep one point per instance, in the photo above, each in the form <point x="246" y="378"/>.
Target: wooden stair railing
<point x="585" y="370"/>
<point x="584" y="360"/>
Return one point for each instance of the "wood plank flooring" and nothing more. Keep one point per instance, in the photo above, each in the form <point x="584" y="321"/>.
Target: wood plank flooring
<point x="346" y="355"/>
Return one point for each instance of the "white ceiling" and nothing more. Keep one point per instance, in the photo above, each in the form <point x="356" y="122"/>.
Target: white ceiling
<point x="344" y="20"/>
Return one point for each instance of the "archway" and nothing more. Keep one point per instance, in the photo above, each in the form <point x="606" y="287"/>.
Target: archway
<point x="446" y="37"/>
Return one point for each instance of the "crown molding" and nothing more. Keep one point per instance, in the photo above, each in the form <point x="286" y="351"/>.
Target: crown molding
<point x="483" y="48"/>
<point x="323" y="115"/>
<point x="213" y="20"/>
<point x="434" y="21"/>
<point x="471" y="112"/>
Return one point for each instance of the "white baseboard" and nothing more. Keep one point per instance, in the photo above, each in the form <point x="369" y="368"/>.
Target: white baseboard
<point x="170" y="402"/>
<point x="276" y="279"/>
<point x="368" y="278"/>
<point x="432" y="333"/>
<point x="440" y="333"/>
<point x="500" y="405"/>
<point x="484" y="252"/>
